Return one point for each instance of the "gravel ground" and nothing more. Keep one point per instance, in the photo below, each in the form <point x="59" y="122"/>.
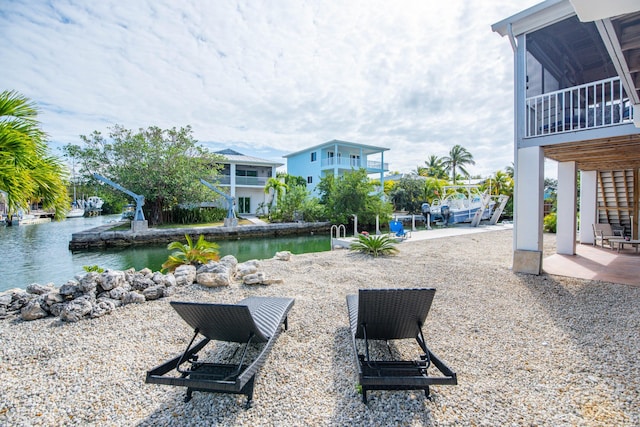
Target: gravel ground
<point x="528" y="350"/>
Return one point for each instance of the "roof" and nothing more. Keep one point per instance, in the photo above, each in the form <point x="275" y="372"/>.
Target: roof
<point x="369" y="149"/>
<point x="535" y="17"/>
<point x="233" y="156"/>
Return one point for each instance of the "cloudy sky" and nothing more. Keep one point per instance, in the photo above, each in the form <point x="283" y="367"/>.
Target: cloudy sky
<point x="270" y="78"/>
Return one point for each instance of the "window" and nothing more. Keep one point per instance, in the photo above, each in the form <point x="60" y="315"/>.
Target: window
<point x="309" y="180"/>
<point x="313" y="156"/>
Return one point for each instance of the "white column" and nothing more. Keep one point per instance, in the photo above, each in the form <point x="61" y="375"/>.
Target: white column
<point x="588" y="208"/>
<point x="529" y="195"/>
<point x="232" y="180"/>
<point x="566" y="219"/>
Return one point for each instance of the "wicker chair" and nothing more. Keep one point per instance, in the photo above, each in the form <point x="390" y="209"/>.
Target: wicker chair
<point x="252" y="320"/>
<point x="391" y="314"/>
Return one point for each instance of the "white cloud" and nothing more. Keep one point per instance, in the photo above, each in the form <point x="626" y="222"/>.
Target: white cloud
<point x="272" y="78"/>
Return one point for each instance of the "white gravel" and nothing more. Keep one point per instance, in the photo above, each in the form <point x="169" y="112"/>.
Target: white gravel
<point x="528" y="350"/>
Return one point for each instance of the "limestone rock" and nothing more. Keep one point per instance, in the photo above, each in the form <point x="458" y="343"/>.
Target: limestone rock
<point x="32" y="311"/>
<point x="283" y="256"/>
<point x="133" y="298"/>
<point x="102" y="307"/>
<point x="249" y="267"/>
<point x="153" y="292"/>
<point x="70" y="289"/>
<point x="38" y="289"/>
<point x="53" y="297"/>
<point x="185" y="275"/>
<point x="231" y="262"/>
<point x="112" y="279"/>
<point x="253" y="279"/>
<point x="75" y="310"/>
<point x="88" y="283"/>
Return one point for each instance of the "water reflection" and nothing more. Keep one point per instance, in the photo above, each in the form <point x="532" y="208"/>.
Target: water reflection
<point x="39" y="253"/>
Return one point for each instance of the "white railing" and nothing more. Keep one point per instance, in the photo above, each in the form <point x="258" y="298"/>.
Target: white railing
<point x="352" y="163"/>
<point x="242" y="180"/>
<point x="588" y="106"/>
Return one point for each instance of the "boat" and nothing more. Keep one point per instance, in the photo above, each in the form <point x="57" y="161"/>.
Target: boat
<point x="90" y="207"/>
<point x="75" y="212"/>
<point x="462" y="203"/>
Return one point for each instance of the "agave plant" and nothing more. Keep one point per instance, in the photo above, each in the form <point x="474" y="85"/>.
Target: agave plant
<point x="200" y="253"/>
<point x="383" y="244"/>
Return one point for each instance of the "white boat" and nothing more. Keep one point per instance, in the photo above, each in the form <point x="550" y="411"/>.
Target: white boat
<point x="462" y="203"/>
<point x="75" y="212"/>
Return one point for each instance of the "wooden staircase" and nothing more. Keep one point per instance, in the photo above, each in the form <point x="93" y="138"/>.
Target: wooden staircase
<point x="616" y="199"/>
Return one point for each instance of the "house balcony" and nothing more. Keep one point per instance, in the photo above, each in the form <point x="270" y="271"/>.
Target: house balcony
<point x="589" y="106"/>
<point x="350" y="163"/>
<point x="248" y="181"/>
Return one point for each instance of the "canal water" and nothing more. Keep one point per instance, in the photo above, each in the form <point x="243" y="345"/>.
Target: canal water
<point x="39" y="253"/>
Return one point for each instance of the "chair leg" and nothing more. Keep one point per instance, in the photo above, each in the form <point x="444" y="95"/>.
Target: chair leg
<point x="364" y="396"/>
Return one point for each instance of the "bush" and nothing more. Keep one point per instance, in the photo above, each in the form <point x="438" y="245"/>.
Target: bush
<point x="196" y="215"/>
<point x="550" y="222"/>
<point x="195" y="254"/>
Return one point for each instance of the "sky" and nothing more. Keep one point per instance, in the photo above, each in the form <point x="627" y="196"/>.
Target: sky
<point x="271" y="78"/>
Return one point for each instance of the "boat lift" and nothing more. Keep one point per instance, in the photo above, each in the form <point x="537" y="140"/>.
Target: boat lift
<point x="230" y="220"/>
<point x="138" y="223"/>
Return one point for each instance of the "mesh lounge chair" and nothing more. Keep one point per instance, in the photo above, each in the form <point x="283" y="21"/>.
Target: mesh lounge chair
<point x="397" y="228"/>
<point x="252" y="320"/>
<point x="604" y="232"/>
<point x="388" y="314"/>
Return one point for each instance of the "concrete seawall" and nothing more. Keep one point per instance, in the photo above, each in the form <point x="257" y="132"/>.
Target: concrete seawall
<point x="104" y="237"/>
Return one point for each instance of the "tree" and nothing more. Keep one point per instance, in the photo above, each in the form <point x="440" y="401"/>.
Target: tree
<point x="434" y="168"/>
<point x="27" y="171"/>
<point x="277" y="188"/>
<point x="352" y="194"/>
<point x="458" y="157"/>
<point x="162" y="165"/>
<point x="408" y="194"/>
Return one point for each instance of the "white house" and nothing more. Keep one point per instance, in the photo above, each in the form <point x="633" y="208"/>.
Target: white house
<point x="335" y="158"/>
<point x="577" y="101"/>
<point x="245" y="177"/>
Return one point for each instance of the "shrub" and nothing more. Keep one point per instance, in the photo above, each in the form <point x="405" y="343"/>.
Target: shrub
<point x="195" y="254"/>
<point x="550" y="222"/>
<point x="375" y="245"/>
<point x="93" y="268"/>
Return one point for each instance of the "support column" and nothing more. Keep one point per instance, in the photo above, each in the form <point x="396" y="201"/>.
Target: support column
<point x="566" y="219"/>
<point x="588" y="201"/>
<point x="529" y="195"/>
<point x="232" y="180"/>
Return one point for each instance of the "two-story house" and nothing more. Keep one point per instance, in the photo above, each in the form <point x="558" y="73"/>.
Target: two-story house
<point x="577" y="101"/>
<point x="245" y="177"/>
<point x="335" y="158"/>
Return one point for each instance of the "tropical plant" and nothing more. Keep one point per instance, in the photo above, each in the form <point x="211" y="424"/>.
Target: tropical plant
<point x="277" y="188"/>
<point x="27" y="171"/>
<point x="374" y="245"/>
<point x="408" y="194"/>
<point x="93" y="268"/>
<point x="457" y="159"/>
<point x="195" y="254"/>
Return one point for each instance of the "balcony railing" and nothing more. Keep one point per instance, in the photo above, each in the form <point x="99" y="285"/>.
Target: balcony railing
<point x="588" y="106"/>
<point x="349" y="163"/>
<point x="243" y="180"/>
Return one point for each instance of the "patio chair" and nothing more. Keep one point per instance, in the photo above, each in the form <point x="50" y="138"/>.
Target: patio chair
<point x="397" y="228"/>
<point x="391" y="314"/>
<point x="603" y="232"/>
<point x="252" y="320"/>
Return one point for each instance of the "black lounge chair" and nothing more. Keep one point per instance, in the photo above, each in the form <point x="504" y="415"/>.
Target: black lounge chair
<point x="252" y="320"/>
<point x="388" y="314"/>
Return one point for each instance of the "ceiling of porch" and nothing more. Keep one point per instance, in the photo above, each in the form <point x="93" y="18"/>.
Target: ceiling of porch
<point x="615" y="153"/>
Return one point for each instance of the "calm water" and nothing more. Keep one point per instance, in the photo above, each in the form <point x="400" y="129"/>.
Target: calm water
<point x="39" y="253"/>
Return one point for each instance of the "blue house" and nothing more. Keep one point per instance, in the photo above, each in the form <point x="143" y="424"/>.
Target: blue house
<point x="335" y="158"/>
<point x="576" y="101"/>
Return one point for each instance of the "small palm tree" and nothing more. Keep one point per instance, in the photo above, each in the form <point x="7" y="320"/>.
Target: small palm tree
<point x="198" y="254"/>
<point x="458" y="157"/>
<point x="278" y="188"/>
<point x="383" y="244"/>
<point x="434" y="167"/>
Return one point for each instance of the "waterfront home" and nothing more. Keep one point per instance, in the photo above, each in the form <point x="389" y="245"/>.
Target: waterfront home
<point x="244" y="177"/>
<point x="335" y="158"/>
<point x="577" y="101"/>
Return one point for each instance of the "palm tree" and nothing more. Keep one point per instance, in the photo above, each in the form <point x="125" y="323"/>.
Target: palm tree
<point x="458" y="157"/>
<point x="434" y="168"/>
<point x="510" y="170"/>
<point x="278" y="188"/>
<point x="27" y="171"/>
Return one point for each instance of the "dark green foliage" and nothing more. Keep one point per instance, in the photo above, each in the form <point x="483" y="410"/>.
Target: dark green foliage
<point x="195" y="215"/>
<point x="373" y="245"/>
<point x="408" y="195"/>
<point x="353" y="194"/>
